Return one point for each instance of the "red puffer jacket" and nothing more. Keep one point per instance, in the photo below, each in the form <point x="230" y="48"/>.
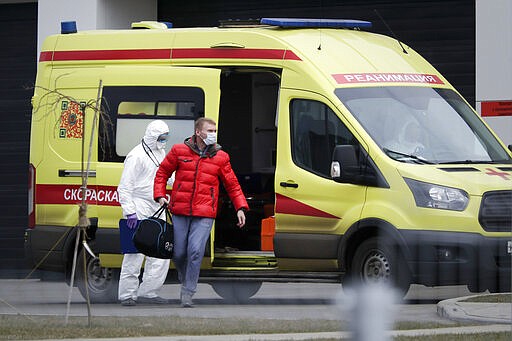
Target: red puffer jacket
<point x="196" y="187"/>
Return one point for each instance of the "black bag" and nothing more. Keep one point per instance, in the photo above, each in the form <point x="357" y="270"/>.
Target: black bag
<point x="154" y="237"/>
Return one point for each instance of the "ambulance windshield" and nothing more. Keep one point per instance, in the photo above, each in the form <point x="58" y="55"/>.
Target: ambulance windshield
<point x="423" y="125"/>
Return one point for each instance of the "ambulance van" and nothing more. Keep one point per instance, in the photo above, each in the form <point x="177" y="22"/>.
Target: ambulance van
<point x="359" y="160"/>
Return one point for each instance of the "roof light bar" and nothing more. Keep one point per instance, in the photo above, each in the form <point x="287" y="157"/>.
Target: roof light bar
<point x="325" y="23"/>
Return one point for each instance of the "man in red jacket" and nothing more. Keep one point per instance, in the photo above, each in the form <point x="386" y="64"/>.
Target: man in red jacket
<point x="199" y="164"/>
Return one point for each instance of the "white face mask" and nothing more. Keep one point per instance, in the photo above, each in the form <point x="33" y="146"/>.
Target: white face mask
<point x="211" y="138"/>
<point x="160" y="145"/>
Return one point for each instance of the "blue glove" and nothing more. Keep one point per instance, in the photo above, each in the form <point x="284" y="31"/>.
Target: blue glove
<point x="132" y="220"/>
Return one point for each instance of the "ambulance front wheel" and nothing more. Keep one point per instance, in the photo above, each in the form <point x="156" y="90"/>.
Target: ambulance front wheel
<point x="236" y="292"/>
<point x="378" y="261"/>
<point x="101" y="282"/>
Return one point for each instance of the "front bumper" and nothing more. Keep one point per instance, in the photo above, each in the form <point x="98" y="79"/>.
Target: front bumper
<point x="452" y="258"/>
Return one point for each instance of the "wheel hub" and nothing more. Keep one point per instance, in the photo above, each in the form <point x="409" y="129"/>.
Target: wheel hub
<point x="376" y="268"/>
<point x="98" y="277"/>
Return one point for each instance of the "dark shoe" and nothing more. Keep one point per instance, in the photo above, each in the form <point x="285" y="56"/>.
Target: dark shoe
<point x="186" y="301"/>
<point x="153" y="300"/>
<point x="129" y="302"/>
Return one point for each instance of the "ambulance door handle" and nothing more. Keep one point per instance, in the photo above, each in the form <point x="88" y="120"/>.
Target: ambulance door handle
<point x="75" y="173"/>
<point x="288" y="184"/>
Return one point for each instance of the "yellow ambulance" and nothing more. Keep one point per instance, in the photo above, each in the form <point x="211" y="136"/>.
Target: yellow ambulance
<point x="359" y="160"/>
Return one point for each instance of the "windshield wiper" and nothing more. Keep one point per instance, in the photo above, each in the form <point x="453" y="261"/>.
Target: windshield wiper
<point x="417" y="158"/>
<point x="460" y="162"/>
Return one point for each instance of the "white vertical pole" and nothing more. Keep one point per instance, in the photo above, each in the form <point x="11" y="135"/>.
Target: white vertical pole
<point x="370" y="308"/>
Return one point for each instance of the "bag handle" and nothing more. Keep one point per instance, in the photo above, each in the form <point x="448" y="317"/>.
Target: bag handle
<point x="159" y="211"/>
<point x="168" y="213"/>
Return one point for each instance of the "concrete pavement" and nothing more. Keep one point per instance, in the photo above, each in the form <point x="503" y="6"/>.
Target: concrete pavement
<point x="17" y="297"/>
<point x="499" y="314"/>
<point x="459" y="310"/>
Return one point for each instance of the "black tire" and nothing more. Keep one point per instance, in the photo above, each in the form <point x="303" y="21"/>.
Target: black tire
<point x="236" y="292"/>
<point x="101" y="282"/>
<point x="376" y="260"/>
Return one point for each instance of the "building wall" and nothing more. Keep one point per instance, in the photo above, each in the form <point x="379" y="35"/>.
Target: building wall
<point x="92" y="14"/>
<point x="18" y="36"/>
<point x="494" y="64"/>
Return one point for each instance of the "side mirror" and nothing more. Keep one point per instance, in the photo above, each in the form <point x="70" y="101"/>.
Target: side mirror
<point x="345" y="166"/>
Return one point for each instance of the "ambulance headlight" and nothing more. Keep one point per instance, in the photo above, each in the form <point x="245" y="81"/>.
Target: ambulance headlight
<point x="437" y="196"/>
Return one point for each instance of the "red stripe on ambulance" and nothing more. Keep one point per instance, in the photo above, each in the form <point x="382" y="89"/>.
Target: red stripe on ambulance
<point x="105" y="55"/>
<point x="72" y="194"/>
<point x="288" y="205"/>
<point x="206" y="53"/>
<point x="234" y="53"/>
<point x="46" y="56"/>
<point x="348" y="78"/>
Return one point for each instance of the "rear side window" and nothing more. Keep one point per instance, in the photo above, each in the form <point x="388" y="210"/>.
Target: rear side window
<point x="129" y="109"/>
<point x="315" y="131"/>
<point x="175" y="109"/>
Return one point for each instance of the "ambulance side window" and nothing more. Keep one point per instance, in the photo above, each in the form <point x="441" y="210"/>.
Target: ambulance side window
<point x="129" y="109"/>
<point x="133" y="117"/>
<point x="315" y="131"/>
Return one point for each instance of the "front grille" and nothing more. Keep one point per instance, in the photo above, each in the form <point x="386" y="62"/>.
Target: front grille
<point x="496" y="211"/>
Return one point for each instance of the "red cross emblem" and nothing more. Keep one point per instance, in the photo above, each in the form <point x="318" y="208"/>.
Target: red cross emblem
<point x="503" y="175"/>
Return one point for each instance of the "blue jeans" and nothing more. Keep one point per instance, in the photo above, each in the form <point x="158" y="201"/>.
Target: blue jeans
<point x="190" y="237"/>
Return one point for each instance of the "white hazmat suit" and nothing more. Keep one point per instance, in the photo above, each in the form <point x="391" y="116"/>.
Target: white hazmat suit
<point x="409" y="139"/>
<point x="136" y="196"/>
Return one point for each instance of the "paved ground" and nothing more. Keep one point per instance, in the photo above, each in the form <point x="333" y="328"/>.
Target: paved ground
<point x="459" y="310"/>
<point x="292" y="301"/>
<point x="273" y="301"/>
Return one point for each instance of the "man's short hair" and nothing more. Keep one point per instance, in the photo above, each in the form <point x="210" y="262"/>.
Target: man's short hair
<point x="201" y="121"/>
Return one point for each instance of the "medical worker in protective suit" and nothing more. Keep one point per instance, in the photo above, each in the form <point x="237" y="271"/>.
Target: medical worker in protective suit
<point x="409" y="140"/>
<point x="136" y="198"/>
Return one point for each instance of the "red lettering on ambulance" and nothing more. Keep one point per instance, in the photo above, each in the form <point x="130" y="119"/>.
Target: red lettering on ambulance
<point x="349" y="78"/>
<point x="72" y="194"/>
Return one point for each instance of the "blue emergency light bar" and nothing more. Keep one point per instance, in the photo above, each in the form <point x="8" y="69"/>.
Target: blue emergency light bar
<point x="67" y="27"/>
<point x="318" y="23"/>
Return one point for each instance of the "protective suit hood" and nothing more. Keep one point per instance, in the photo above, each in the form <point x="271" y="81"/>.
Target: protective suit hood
<point x="153" y="130"/>
<point x="410" y="139"/>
